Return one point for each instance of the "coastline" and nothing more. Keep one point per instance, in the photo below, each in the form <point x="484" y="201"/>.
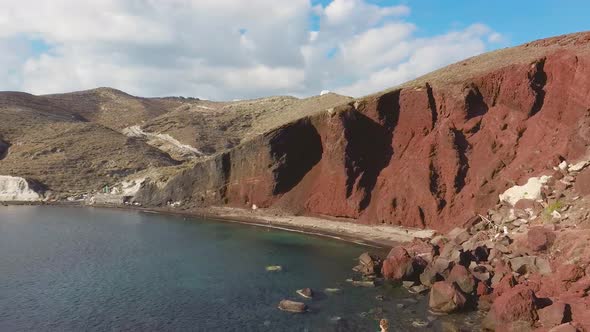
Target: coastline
<point x="379" y="237"/>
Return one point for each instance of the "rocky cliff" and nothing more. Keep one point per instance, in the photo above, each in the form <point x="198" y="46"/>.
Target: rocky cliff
<point x="430" y="153"/>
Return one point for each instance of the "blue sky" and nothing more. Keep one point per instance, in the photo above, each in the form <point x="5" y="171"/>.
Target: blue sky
<point x="230" y="49"/>
<point x="519" y="21"/>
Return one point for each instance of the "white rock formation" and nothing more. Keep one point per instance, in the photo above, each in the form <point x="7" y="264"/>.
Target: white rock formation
<point x="579" y="166"/>
<point x="324" y="92"/>
<point x="164" y="141"/>
<point x="130" y="188"/>
<point x="530" y="190"/>
<point x="16" y="189"/>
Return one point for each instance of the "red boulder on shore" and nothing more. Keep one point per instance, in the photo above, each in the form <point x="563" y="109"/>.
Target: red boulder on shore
<point x="514" y="310"/>
<point x="398" y="265"/>
<point x="463" y="278"/>
<point x="446" y="297"/>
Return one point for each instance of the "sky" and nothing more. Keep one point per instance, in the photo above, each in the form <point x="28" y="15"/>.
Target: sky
<point x="238" y="49"/>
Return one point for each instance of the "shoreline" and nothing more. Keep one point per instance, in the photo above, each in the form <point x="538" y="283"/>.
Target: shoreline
<point x="375" y="236"/>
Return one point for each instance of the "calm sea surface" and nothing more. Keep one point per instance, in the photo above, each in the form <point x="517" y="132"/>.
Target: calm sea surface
<point x="85" y="269"/>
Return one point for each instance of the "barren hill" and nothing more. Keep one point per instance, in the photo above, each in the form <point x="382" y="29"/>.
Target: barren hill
<point x="78" y="143"/>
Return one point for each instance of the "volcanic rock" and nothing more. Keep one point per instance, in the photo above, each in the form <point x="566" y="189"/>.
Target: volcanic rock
<point x="446" y="297"/>
<point x="463" y="278"/>
<point x="369" y="264"/>
<point x="539" y="238"/>
<point x="554" y="314"/>
<point x="292" y="306"/>
<point x="516" y="307"/>
<point x="305" y="292"/>
<point x="582" y="185"/>
<point x="398" y="265"/>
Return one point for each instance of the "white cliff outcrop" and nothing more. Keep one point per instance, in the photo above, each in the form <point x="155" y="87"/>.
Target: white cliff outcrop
<point x="530" y="190"/>
<point x="17" y="189"/>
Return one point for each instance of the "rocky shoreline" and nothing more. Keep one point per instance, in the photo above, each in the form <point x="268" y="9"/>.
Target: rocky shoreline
<point x="525" y="263"/>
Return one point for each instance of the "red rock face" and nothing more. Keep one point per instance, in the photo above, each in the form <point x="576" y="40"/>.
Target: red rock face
<point x="430" y="154"/>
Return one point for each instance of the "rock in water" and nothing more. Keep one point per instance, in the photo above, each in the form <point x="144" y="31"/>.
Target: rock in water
<point x="332" y="290"/>
<point x="305" y="292"/>
<point x="363" y="283"/>
<point x="274" y="268"/>
<point x="369" y="264"/>
<point x="292" y="306"/>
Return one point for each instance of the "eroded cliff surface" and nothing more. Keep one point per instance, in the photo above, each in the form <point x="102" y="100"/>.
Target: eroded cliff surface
<point x="430" y="153"/>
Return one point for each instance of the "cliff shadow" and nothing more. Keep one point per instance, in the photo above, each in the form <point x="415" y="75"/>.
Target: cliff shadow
<point x="368" y="152"/>
<point x="295" y="149"/>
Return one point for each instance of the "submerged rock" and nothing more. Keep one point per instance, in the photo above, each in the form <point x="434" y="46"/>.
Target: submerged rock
<point x="332" y="290"/>
<point x="274" y="268"/>
<point x="363" y="283"/>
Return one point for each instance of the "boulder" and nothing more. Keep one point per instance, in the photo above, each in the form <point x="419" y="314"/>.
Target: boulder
<point x="459" y="235"/>
<point x="554" y="315"/>
<point x="513" y="310"/>
<point x="463" y="278"/>
<point x="369" y="264"/>
<point x="446" y="297"/>
<point x="539" y="238"/>
<point x="582" y="185"/>
<point x="530" y="264"/>
<point x="475" y="241"/>
<point x="528" y="204"/>
<point x="422" y="249"/>
<point x="430" y="276"/>
<point x="481" y="273"/>
<point x="398" y="265"/>
<point x="305" y="292"/>
<point x="506" y="283"/>
<point x="567" y="327"/>
<point x="364" y="283"/>
<point x="292" y="306"/>
<point x="452" y="252"/>
<point x="438" y="270"/>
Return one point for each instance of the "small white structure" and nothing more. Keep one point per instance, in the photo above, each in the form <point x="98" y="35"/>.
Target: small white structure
<point x="324" y="92"/>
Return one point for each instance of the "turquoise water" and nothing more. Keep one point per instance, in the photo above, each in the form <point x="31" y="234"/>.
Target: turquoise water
<point x="85" y="269"/>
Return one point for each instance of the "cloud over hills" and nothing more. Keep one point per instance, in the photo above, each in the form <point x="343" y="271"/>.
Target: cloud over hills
<point x="222" y="49"/>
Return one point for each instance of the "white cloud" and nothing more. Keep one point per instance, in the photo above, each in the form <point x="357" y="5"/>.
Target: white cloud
<point x="221" y="49"/>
